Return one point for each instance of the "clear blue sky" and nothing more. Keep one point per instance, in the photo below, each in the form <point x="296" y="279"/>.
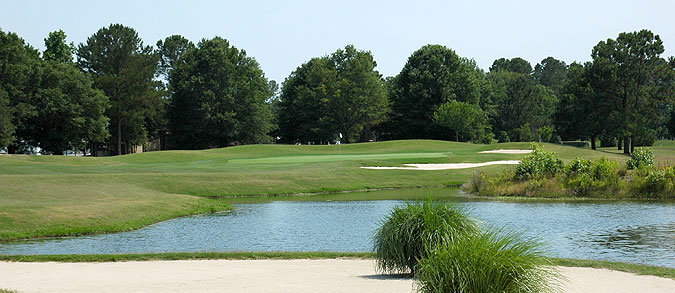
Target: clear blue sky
<point x="281" y="35"/>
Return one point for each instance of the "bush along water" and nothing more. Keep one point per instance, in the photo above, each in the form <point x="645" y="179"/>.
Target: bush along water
<point x="542" y="174"/>
<point x="448" y="252"/>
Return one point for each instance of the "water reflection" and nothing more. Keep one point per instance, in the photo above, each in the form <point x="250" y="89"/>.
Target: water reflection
<point x="633" y="239"/>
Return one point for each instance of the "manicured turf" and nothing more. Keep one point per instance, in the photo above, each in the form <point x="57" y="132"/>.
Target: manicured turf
<point x="45" y="196"/>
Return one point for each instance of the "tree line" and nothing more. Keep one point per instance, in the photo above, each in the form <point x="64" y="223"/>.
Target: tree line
<point x="118" y="93"/>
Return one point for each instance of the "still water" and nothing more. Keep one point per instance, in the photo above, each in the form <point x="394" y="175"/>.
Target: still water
<point x="638" y="232"/>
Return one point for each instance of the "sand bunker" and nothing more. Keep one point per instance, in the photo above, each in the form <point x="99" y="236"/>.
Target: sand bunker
<point x="429" y="167"/>
<point x="506" y="152"/>
<point x="301" y="275"/>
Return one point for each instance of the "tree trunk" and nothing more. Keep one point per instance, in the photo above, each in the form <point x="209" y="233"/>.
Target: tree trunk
<point x="626" y="145"/>
<point x="457" y="136"/>
<point x="619" y="142"/>
<point x="632" y="145"/>
<point x="593" y="146"/>
<point x="119" y="136"/>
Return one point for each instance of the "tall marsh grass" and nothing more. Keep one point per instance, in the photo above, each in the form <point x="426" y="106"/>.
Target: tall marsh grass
<point x="447" y="252"/>
<point x="488" y="261"/>
<point x="411" y="230"/>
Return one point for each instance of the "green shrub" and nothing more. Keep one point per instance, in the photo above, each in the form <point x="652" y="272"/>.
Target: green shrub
<point x="538" y="163"/>
<point x="503" y="136"/>
<point x="578" y="166"/>
<point x="603" y="169"/>
<point x="522" y="133"/>
<point x="556" y="139"/>
<point x="640" y="158"/>
<point x="490" y="261"/>
<point x="581" y="184"/>
<point x="545" y="133"/>
<point x="657" y="182"/>
<point x="407" y="233"/>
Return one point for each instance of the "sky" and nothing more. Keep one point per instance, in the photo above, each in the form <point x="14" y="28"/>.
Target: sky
<point x="282" y="35"/>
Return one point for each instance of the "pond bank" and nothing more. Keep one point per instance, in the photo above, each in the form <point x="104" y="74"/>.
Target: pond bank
<point x="299" y="275"/>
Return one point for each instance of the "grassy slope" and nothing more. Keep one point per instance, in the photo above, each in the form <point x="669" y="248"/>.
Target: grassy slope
<point x="56" y="195"/>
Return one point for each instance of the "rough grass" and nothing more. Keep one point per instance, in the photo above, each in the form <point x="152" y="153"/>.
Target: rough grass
<point x="44" y="196"/>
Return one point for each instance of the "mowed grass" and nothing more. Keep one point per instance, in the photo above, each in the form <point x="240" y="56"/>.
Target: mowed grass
<point x="43" y="196"/>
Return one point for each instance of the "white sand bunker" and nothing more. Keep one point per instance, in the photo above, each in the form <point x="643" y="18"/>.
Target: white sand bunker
<point x="445" y="166"/>
<point x="506" y="152"/>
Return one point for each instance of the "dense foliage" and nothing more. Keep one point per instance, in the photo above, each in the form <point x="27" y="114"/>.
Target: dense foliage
<point x="337" y="94"/>
<point x="433" y="76"/>
<point x="542" y="174"/>
<point x="123" y="67"/>
<point x="218" y="98"/>
<point x="465" y="119"/>
<point x="179" y="95"/>
<point x="538" y="163"/>
<point x="640" y="158"/>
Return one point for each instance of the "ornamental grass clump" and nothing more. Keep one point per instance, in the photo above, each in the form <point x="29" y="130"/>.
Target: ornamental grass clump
<point x="411" y="230"/>
<point x="489" y="261"/>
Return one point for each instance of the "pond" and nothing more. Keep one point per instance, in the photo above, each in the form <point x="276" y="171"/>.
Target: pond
<point x="638" y="232"/>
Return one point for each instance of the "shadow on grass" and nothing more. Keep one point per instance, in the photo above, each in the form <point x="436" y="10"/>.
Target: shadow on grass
<point x="387" y="277"/>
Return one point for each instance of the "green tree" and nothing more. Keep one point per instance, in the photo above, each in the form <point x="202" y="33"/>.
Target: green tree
<point x="518" y="101"/>
<point x="19" y="64"/>
<point x="70" y="113"/>
<point x="552" y="73"/>
<point x="339" y="93"/>
<point x="433" y="75"/>
<point x="628" y="72"/>
<point x="218" y="98"/>
<point x="517" y="64"/>
<point x="57" y="49"/>
<point x="123" y="68"/>
<point x="6" y="125"/>
<point x="466" y="119"/>
<point x="171" y="50"/>
<point x="577" y="112"/>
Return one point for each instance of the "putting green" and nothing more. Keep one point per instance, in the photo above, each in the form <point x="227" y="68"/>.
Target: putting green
<point x="335" y="158"/>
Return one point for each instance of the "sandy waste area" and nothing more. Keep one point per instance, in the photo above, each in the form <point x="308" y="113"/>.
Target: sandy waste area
<point x="302" y="275"/>
<point x="506" y="152"/>
<point x="431" y="167"/>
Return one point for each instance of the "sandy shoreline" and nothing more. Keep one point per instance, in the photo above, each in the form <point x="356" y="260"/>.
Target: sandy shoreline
<point x="301" y="275"/>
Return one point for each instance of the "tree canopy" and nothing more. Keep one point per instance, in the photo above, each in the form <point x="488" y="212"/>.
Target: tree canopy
<point x="337" y="94"/>
<point x="218" y="98"/>
<point x="630" y="73"/>
<point x="19" y="64"/>
<point x="120" y="65"/>
<point x="432" y="76"/>
<point x="57" y="49"/>
<point x="466" y="119"/>
<point x="517" y="64"/>
<point x="69" y="112"/>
